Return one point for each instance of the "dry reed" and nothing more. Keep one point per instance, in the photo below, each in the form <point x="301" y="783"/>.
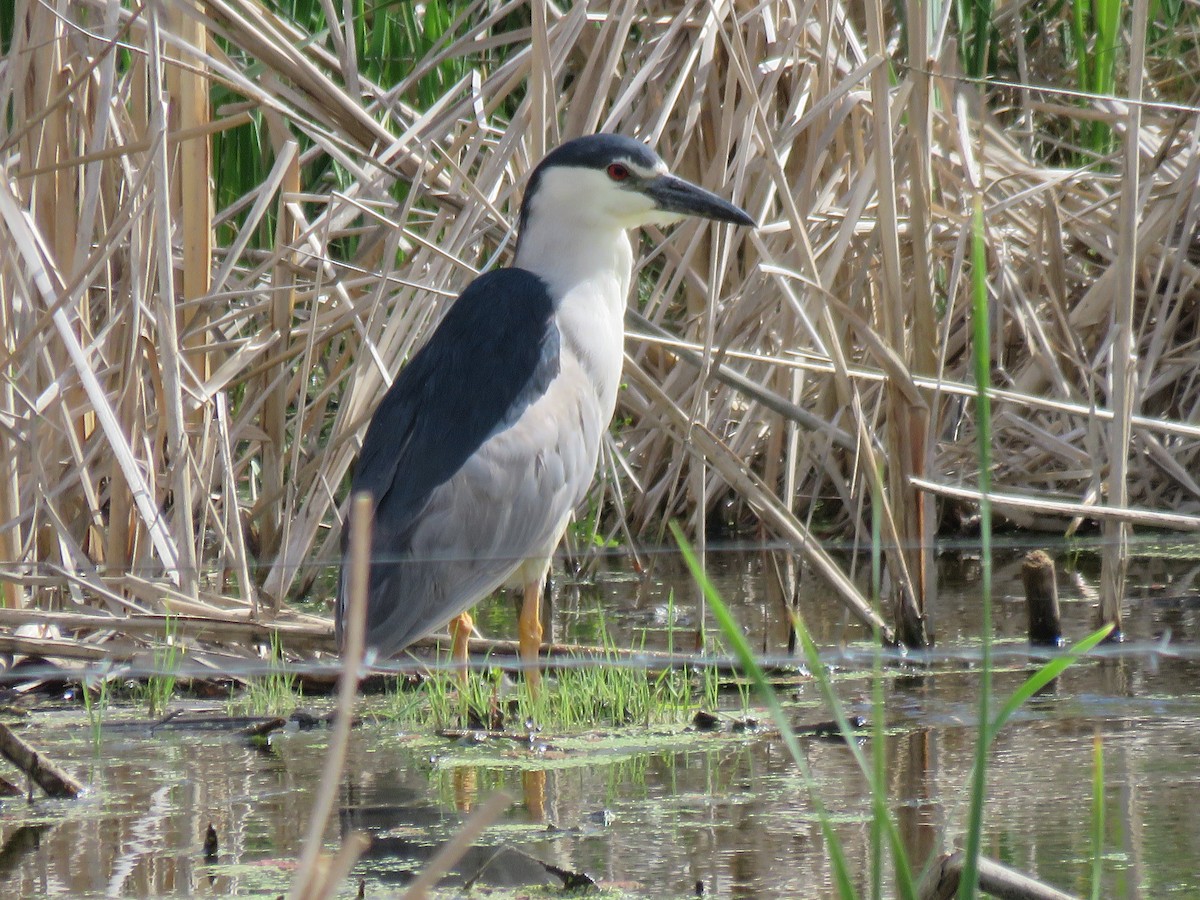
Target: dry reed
<point x="178" y="415"/>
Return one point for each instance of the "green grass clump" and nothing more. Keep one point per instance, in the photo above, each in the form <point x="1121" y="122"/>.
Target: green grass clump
<point x="95" y="701"/>
<point x="607" y="693"/>
<point x="273" y="694"/>
<point x="981" y="343"/>
<point x="159" y="686"/>
<point x="1097" y="817"/>
<point x="612" y="691"/>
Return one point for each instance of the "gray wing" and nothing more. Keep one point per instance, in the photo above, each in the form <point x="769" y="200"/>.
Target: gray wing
<point x="507" y="504"/>
<point x="474" y="458"/>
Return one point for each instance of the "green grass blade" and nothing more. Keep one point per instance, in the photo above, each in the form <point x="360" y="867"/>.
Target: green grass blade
<point x="981" y="36"/>
<point x="1097" y="816"/>
<point x="1108" y="24"/>
<point x="1080" y="16"/>
<point x="1043" y="676"/>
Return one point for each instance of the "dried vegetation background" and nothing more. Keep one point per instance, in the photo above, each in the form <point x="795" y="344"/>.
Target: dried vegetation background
<point x="187" y="369"/>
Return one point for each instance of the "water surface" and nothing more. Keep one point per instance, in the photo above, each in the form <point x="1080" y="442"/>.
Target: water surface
<point x="663" y="809"/>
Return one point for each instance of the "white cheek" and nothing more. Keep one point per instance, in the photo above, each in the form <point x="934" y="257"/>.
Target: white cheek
<point x="662" y="217"/>
<point x="633" y="210"/>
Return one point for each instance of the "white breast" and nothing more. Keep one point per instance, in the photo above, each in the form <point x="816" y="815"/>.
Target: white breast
<point x="587" y="267"/>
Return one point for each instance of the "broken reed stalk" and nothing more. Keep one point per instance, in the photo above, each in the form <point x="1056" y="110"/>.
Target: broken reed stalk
<point x="52" y="779"/>
<point x="314" y="881"/>
<point x="233" y="524"/>
<point x="1041" y="599"/>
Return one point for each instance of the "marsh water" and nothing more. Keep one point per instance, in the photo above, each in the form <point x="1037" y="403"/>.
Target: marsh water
<point x="669" y="811"/>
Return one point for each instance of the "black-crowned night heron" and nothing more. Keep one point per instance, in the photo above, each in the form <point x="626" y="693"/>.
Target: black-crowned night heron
<point x="488" y="438"/>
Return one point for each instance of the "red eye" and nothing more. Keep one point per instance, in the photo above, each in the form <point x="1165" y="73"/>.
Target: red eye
<point x="618" y="172"/>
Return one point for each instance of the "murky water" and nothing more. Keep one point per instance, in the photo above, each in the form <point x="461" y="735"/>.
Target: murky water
<point x="666" y="809"/>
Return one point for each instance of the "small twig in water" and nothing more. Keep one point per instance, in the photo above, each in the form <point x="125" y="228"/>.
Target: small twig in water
<point x="48" y="776"/>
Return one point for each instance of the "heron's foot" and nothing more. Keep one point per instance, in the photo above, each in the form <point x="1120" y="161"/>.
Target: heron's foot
<point x="461" y="627"/>
<point x="530" y="635"/>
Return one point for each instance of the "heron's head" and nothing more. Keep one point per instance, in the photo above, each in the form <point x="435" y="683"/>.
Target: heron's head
<point x="608" y="180"/>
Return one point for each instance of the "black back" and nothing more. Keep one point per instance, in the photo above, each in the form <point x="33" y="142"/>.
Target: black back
<point x="494" y="353"/>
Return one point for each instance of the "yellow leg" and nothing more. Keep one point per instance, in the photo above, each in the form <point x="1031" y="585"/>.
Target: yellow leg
<point x="530" y="633"/>
<point x="461" y="627"/>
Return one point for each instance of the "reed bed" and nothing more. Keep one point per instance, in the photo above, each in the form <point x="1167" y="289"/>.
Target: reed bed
<point x="224" y="229"/>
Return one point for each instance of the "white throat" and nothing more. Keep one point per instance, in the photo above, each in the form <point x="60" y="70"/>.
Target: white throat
<point x="568" y="254"/>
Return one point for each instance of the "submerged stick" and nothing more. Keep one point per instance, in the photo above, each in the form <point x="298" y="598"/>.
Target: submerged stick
<point x="942" y="881"/>
<point x="1041" y="599"/>
<point x="49" y="777"/>
<point x="219" y="626"/>
<point x="503" y="648"/>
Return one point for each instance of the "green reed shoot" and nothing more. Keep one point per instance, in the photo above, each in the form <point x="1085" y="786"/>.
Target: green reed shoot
<point x="1042" y="677"/>
<point x="879" y="808"/>
<point x="275" y="693"/>
<point x="710" y="687"/>
<point x="1097" y="815"/>
<point x="978" y="33"/>
<point x="96" y="706"/>
<point x="1096" y="33"/>
<point x="988" y="726"/>
<point x="160" y="685"/>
